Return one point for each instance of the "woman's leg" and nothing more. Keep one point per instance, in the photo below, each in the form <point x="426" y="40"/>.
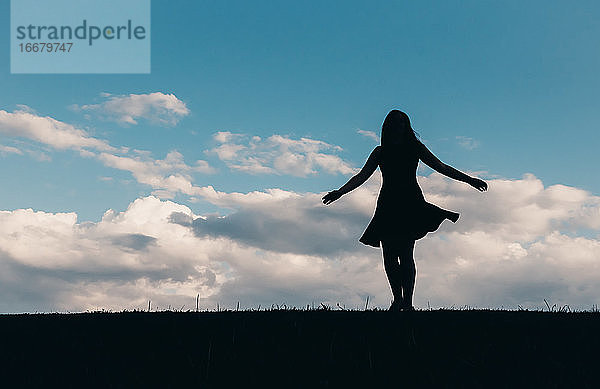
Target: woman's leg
<point x="408" y="272"/>
<point x="392" y="270"/>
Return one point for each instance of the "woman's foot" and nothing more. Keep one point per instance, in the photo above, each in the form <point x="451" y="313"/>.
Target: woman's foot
<point x="395" y="307"/>
<point x="406" y="307"/>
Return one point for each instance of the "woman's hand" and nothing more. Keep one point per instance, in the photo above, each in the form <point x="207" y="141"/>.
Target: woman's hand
<point x="478" y="184"/>
<point x="331" y="197"/>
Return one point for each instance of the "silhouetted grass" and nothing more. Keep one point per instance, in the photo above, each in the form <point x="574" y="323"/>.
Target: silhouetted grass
<point x="307" y="348"/>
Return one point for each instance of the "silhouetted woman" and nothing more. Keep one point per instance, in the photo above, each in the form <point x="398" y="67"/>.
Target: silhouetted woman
<point x="402" y="214"/>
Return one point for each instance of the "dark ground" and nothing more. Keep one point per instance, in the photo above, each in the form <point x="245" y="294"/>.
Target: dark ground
<point x="308" y="349"/>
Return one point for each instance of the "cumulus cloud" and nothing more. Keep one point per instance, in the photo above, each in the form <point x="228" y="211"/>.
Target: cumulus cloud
<point x="48" y="131"/>
<point x="369" y="134"/>
<point x="157" y="107"/>
<point x="137" y="252"/>
<point x="138" y="255"/>
<point x="517" y="244"/>
<point x="278" y="154"/>
<point x="167" y="176"/>
<point x="514" y="245"/>
<point x="265" y="219"/>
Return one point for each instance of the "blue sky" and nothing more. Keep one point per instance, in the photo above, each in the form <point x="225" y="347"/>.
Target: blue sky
<point x="519" y="78"/>
<point x="500" y="89"/>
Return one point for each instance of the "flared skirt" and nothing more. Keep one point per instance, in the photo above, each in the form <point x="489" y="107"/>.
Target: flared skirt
<point x="411" y="221"/>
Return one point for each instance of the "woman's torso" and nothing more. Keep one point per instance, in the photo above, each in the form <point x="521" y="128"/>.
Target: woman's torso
<point x="399" y="171"/>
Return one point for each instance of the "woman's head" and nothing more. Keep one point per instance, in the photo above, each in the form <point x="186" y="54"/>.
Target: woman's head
<point x="396" y="130"/>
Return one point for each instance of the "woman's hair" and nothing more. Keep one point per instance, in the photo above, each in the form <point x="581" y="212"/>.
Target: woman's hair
<point x="396" y="130"/>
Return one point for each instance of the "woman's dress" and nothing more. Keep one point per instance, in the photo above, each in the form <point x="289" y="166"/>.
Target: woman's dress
<point x="402" y="212"/>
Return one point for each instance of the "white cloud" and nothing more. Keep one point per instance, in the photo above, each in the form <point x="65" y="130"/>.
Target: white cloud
<point x="519" y="210"/>
<point x="467" y="142"/>
<point x="126" y="258"/>
<point x="157" y="107"/>
<point x="38" y="155"/>
<point x="9" y="150"/>
<point x="516" y="244"/>
<point x="48" y="131"/>
<point x="278" y="154"/>
<point x="167" y="176"/>
<point x="369" y="134"/>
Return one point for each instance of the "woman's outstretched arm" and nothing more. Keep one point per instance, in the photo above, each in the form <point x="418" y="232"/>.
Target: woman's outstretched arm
<point x="433" y="162"/>
<point x="357" y="180"/>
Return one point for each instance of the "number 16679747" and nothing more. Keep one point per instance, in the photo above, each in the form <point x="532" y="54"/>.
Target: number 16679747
<point x="46" y="47"/>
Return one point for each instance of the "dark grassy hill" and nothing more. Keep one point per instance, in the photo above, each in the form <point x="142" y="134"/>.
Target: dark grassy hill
<point x="308" y="349"/>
